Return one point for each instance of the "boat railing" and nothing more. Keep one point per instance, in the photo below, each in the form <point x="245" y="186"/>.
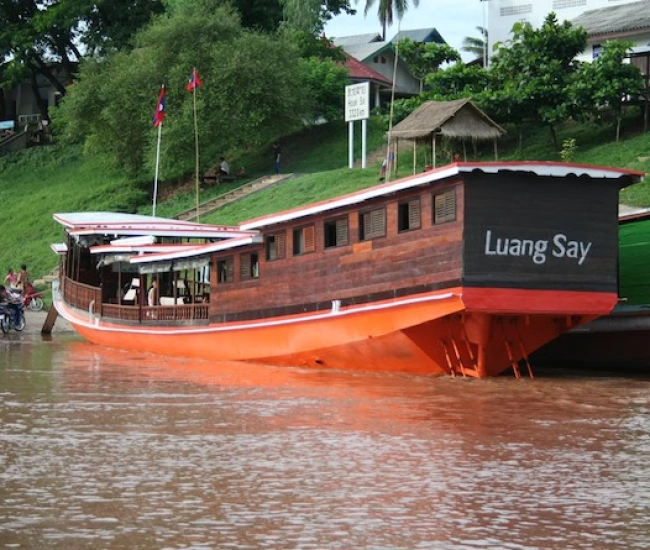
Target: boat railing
<point x="80" y="295"/>
<point x="89" y="298"/>
<point x="184" y="312"/>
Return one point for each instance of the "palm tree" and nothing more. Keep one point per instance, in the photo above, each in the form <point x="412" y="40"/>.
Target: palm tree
<point x="475" y="45"/>
<point x="387" y="9"/>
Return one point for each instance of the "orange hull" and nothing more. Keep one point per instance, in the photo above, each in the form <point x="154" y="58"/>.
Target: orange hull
<point x="473" y="332"/>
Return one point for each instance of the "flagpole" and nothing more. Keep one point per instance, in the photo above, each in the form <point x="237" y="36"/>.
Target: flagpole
<point x="196" y="147"/>
<point x="155" y="180"/>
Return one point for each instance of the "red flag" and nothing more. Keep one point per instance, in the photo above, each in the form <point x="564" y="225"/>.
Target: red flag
<point x="194" y="82"/>
<point x="159" y="115"/>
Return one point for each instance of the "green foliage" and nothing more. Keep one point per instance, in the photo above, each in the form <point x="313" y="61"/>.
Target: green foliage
<point x="424" y="58"/>
<point x="388" y="9"/>
<point x="252" y="92"/>
<point x="533" y="72"/>
<point x="604" y="84"/>
<point x="459" y="80"/>
<point x="326" y="81"/>
<point x="569" y="148"/>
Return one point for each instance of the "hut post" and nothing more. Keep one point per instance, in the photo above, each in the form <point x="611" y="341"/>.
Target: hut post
<point x="496" y="153"/>
<point x="464" y="150"/>
<point x="433" y="149"/>
<point x="395" y="156"/>
<point x="415" y="147"/>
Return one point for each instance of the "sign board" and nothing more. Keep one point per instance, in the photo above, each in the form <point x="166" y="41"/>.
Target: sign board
<point x="357" y="101"/>
<point x="7" y="124"/>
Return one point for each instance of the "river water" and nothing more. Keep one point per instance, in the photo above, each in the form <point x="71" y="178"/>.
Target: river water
<point x="104" y="449"/>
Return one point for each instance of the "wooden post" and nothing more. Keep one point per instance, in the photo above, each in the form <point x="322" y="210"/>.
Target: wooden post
<point x="52" y="314"/>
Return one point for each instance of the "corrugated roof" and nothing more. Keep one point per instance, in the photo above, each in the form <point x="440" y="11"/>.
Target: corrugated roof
<point x="365" y="52"/>
<point x="356" y="39"/>
<point x="457" y="118"/>
<point x="615" y="19"/>
<point x="420" y="35"/>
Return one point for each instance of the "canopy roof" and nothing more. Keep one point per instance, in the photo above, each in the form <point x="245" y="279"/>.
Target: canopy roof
<point x="459" y="118"/>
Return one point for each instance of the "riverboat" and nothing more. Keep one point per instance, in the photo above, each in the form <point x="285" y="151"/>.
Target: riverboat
<point x="461" y="270"/>
<point x="619" y="340"/>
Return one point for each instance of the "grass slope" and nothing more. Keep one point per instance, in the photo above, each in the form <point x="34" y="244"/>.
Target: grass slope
<point x="38" y="182"/>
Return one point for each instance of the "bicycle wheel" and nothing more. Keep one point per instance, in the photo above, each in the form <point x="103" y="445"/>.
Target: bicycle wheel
<point x="36" y="304"/>
<point x="20" y="325"/>
<point x="4" y="322"/>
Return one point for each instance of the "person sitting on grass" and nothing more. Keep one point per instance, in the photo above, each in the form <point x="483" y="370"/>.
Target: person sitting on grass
<point x="224" y="167"/>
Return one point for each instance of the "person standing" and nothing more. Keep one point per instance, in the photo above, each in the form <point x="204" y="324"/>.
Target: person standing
<point x="23" y="277"/>
<point x="277" y="152"/>
<point x="11" y="278"/>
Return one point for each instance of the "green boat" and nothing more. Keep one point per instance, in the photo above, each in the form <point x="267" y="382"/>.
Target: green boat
<point x="620" y="340"/>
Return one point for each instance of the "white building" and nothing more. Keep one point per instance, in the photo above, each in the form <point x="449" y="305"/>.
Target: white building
<point x="503" y="14"/>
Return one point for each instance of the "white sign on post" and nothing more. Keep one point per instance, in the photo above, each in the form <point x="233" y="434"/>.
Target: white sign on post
<point x="357" y="101"/>
<point x="357" y="107"/>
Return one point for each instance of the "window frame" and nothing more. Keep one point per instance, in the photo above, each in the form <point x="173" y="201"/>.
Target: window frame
<point x="409" y="216"/>
<point x="336" y="224"/>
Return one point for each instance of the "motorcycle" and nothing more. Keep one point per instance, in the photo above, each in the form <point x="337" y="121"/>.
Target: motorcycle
<point x="32" y="299"/>
<point x="12" y="315"/>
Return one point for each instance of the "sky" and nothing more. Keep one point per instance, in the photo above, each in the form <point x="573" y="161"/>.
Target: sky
<point x="453" y="19"/>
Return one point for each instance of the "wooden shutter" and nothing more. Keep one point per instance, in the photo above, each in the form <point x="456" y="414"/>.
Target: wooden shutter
<point x="445" y="206"/>
<point x="342" y="236"/>
<point x="245" y="267"/>
<point x="281" y="245"/>
<point x="309" y="236"/>
<point x="414" y="214"/>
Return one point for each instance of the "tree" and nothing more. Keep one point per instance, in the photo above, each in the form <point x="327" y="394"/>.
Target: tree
<point x="605" y="84"/>
<point x="306" y="15"/>
<point x="535" y="69"/>
<point x="311" y="15"/>
<point x="425" y="58"/>
<point x="387" y="9"/>
<point x="36" y="36"/>
<point x="476" y="45"/>
<point x="253" y="92"/>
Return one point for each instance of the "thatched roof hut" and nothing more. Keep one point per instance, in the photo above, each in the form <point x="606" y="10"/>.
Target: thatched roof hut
<point x="459" y="119"/>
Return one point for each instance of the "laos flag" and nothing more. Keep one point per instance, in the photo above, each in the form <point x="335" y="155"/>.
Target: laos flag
<point x="159" y="115"/>
<point x="194" y="82"/>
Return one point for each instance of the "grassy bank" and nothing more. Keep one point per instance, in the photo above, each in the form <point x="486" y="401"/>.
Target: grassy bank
<point x="38" y="182"/>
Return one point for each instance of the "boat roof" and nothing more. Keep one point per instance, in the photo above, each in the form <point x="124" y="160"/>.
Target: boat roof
<point x="190" y="251"/>
<point x="540" y="168"/>
<point x="115" y="223"/>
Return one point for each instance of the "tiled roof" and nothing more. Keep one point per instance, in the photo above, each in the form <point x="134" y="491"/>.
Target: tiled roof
<point x="360" y="71"/>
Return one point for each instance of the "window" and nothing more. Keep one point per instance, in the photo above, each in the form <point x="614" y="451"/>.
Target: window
<point x="560" y="4"/>
<point x="304" y="240"/>
<point x="276" y="246"/>
<point x="225" y="270"/>
<point x="336" y="232"/>
<point x="444" y="206"/>
<point x="249" y="266"/>
<point x="515" y="10"/>
<point x="408" y="215"/>
<point x="372" y="224"/>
